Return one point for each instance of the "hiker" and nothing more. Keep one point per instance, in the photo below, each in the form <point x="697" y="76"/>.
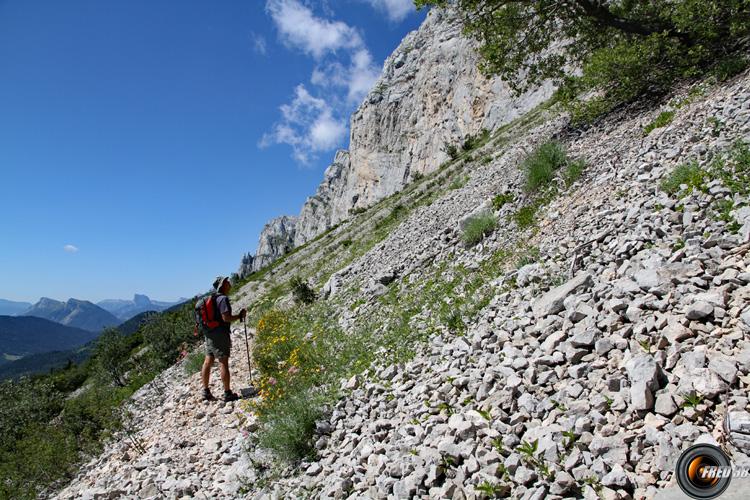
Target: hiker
<point x="219" y="342"/>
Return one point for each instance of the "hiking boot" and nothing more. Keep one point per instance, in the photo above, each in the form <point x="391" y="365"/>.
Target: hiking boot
<point x="207" y="396"/>
<point x="230" y="396"/>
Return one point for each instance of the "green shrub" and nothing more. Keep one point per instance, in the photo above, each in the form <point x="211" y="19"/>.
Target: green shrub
<point x="300" y="352"/>
<point x="734" y="171"/>
<point x="346" y="243"/>
<point x="302" y="291"/>
<point x="396" y="214"/>
<point x="573" y="171"/>
<point x="716" y="126"/>
<point x="540" y="165"/>
<point x="287" y="428"/>
<point x="474" y="141"/>
<point x="689" y="174"/>
<point x="112" y="356"/>
<point x="500" y="200"/>
<point x="459" y="182"/>
<point x="730" y="66"/>
<point x="417" y="176"/>
<point x="451" y="150"/>
<point x="664" y="119"/>
<point x="194" y="362"/>
<point x="169" y="336"/>
<point x="525" y="216"/>
<point x="478" y="227"/>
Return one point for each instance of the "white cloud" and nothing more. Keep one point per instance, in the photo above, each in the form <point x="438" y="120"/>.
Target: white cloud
<point x="300" y="28"/>
<point x="70" y="248"/>
<point x="344" y="73"/>
<point x="396" y="10"/>
<point x="329" y="75"/>
<point x="362" y="75"/>
<point x="308" y="125"/>
<point x="326" y="132"/>
<point x="259" y="43"/>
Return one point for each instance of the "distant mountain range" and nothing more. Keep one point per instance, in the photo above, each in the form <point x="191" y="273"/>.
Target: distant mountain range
<point x="126" y="309"/>
<point x="51" y="333"/>
<point x="75" y="313"/>
<point x="12" y="308"/>
<point x="38" y="338"/>
<point x="24" y="335"/>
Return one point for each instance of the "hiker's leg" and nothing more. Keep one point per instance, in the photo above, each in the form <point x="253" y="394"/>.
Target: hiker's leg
<point x="206" y="370"/>
<point x="224" y="371"/>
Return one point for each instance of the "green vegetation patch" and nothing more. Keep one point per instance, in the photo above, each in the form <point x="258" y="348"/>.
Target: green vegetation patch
<point x="664" y="119"/>
<point x="690" y="175"/>
<point x="46" y="431"/>
<point x="478" y="227"/>
<point x="194" y="362"/>
<point x="573" y="171"/>
<point x="731" y="168"/>
<point x="500" y="200"/>
<point x="540" y="166"/>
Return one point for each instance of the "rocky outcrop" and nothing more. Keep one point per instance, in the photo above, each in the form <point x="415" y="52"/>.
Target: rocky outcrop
<point x="276" y="239"/>
<point x="246" y="265"/>
<point x="318" y="212"/>
<point x="430" y="93"/>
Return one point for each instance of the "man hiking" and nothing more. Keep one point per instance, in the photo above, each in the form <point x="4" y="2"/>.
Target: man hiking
<point x="219" y="342"/>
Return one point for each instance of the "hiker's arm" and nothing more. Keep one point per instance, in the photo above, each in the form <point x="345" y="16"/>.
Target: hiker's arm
<point x="228" y="318"/>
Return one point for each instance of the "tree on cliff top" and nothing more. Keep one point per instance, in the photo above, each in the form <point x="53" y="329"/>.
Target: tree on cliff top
<point x="624" y="48"/>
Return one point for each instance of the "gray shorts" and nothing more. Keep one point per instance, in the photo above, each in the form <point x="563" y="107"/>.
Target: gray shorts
<point x="218" y="343"/>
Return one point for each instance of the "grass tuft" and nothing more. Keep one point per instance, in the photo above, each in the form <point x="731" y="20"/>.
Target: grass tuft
<point x="664" y="119"/>
<point x="540" y="165"/>
<point x="573" y="172"/>
<point x="478" y="227"/>
<point x="500" y="200"/>
<point x="688" y="174"/>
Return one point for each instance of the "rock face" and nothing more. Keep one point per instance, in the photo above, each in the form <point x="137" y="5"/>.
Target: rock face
<point x="276" y="239"/>
<point x="246" y="264"/>
<point x="317" y="213"/>
<point x="430" y="93"/>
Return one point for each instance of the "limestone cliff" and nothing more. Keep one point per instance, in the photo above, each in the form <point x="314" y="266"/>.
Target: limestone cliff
<point x="317" y="214"/>
<point x="276" y="239"/>
<point x="430" y="93"/>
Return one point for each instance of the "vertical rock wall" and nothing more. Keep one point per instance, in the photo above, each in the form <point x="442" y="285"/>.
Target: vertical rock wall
<point x="431" y="92"/>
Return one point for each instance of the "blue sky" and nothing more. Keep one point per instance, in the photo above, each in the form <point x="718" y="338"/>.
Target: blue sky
<point x="144" y="143"/>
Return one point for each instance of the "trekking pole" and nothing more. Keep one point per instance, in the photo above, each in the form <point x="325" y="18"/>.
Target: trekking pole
<point x="247" y="350"/>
